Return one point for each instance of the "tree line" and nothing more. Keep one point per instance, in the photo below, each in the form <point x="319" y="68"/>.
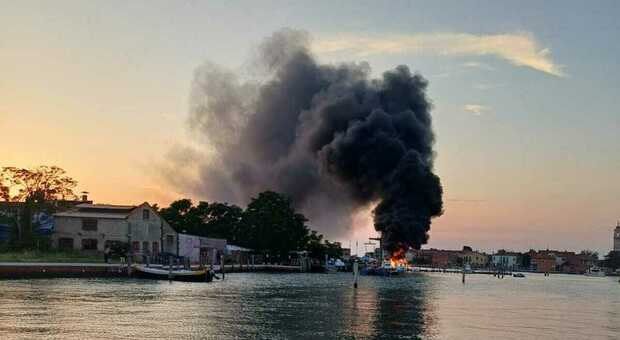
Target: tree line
<point x="269" y="224"/>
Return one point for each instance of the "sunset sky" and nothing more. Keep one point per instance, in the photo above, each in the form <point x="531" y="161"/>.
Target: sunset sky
<point x="525" y="95"/>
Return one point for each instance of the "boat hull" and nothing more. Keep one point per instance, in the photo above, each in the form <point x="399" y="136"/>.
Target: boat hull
<point x="162" y="274"/>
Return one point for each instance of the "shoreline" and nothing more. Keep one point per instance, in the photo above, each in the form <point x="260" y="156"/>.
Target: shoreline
<point x="50" y="270"/>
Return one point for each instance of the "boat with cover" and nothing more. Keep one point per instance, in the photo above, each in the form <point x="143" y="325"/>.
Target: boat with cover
<point x="164" y="273"/>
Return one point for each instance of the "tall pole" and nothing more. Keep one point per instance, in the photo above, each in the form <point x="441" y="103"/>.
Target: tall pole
<point x="355" y="273"/>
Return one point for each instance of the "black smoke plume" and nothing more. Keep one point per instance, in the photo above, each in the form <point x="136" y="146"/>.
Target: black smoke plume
<point x="328" y="136"/>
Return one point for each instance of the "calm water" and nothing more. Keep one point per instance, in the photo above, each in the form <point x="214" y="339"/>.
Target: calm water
<point x="313" y="306"/>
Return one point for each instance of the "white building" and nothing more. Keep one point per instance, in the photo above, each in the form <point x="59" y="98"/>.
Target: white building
<point x="197" y="247"/>
<point x="91" y="227"/>
<point x="504" y="260"/>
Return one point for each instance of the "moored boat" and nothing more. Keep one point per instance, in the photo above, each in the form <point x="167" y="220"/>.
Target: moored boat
<point x="595" y="271"/>
<point x="163" y="273"/>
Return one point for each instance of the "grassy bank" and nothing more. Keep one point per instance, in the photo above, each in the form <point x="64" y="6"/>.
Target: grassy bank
<point x="47" y="256"/>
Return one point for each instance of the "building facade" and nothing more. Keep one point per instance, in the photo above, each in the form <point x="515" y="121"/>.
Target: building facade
<point x="474" y="258"/>
<point x="506" y="260"/>
<point x="201" y="249"/>
<point x="93" y="227"/>
<point x="543" y="262"/>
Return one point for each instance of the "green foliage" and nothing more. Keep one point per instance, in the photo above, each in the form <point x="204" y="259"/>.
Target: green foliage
<point x="272" y="225"/>
<point x="223" y="220"/>
<point x="269" y="225"/>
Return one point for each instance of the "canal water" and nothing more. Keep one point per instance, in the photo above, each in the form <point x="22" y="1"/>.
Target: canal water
<point x="313" y="306"/>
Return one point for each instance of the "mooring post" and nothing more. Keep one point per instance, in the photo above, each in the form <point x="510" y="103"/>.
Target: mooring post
<point x="355" y="273"/>
<point x="222" y="267"/>
<point x="170" y="268"/>
<point x="129" y="265"/>
<point x="463" y="274"/>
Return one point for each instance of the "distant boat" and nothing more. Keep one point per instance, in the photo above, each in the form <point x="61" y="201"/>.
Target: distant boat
<point x="595" y="271"/>
<point x="163" y="273"/>
<point x="518" y="275"/>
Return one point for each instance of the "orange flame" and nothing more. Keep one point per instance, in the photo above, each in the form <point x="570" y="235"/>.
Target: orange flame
<point x="398" y="258"/>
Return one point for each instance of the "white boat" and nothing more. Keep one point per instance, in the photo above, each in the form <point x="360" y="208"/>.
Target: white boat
<point x="595" y="271"/>
<point x="163" y="273"/>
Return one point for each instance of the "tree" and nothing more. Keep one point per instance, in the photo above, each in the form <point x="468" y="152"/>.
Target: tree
<point x="222" y="220"/>
<point x="314" y="245"/>
<point x="36" y="188"/>
<point x="273" y="226"/>
<point x="589" y="253"/>
<point x="269" y="225"/>
<point x="177" y="214"/>
<point x="218" y="220"/>
<point x="45" y="183"/>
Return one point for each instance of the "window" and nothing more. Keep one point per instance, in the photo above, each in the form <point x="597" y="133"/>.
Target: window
<point x="146" y="214"/>
<point x="155" y="247"/>
<point x="135" y="246"/>
<point x="169" y="241"/>
<point x="145" y="247"/>
<point x="89" y="244"/>
<point x="65" y="244"/>
<point x="89" y="224"/>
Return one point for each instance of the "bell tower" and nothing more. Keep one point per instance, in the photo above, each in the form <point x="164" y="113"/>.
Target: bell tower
<point x="617" y="237"/>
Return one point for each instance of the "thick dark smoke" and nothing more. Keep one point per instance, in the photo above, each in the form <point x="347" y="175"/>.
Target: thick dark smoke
<point x="328" y="136"/>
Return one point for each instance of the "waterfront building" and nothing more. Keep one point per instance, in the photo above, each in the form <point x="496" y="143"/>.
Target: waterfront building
<point x="437" y="258"/>
<point x="505" y="260"/>
<point x="543" y="262"/>
<point x="196" y="247"/>
<point x="569" y="262"/>
<point x="474" y="258"/>
<point x="92" y="227"/>
<point x="577" y="263"/>
<point x="617" y="237"/>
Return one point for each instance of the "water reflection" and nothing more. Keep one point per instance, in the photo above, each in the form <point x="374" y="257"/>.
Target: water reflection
<point x="311" y="306"/>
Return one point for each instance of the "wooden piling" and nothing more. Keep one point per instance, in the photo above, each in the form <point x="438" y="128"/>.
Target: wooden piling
<point x="222" y="266"/>
<point x="170" y="268"/>
<point x="129" y="265"/>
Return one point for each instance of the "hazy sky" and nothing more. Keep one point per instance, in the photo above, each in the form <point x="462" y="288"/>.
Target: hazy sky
<point x="525" y="94"/>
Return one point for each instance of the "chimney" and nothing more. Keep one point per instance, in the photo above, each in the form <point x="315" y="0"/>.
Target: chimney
<point x="84" y="196"/>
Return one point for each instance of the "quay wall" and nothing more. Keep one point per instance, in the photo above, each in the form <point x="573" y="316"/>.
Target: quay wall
<point x="60" y="270"/>
<point x="18" y="270"/>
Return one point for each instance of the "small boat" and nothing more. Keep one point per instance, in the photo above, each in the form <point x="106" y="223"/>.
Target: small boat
<point x="518" y="275"/>
<point x="163" y="273"/>
<point x="595" y="271"/>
